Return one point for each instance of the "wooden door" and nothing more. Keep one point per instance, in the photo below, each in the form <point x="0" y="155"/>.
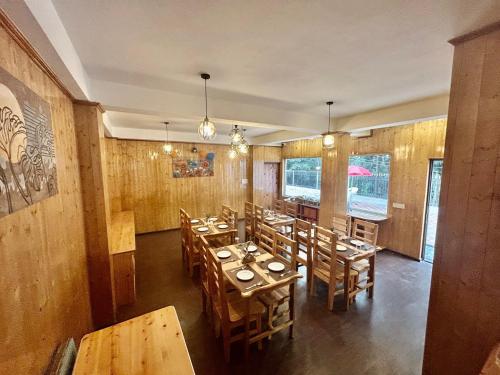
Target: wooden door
<point x="271" y="183"/>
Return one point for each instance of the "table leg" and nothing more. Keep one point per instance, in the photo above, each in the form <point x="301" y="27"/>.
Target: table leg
<point x="247" y="329"/>
<point x="371" y="275"/>
<point x="347" y="268"/>
<point x="291" y="306"/>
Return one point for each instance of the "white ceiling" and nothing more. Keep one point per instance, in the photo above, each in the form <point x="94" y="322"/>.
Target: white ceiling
<point x="273" y="63"/>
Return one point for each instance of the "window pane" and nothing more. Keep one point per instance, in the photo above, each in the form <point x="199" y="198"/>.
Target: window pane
<point x="368" y="184"/>
<point x="302" y="178"/>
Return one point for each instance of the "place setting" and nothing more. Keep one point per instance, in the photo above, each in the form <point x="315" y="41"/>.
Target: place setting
<point x="275" y="269"/>
<point x="225" y="255"/>
<point x="245" y="278"/>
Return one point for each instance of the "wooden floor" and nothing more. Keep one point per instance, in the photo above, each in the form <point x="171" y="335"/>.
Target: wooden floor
<point x="383" y="336"/>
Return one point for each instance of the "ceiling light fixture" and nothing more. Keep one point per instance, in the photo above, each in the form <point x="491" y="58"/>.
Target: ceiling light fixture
<point x="236" y="136"/>
<point x="167" y="147"/>
<point x="206" y="130"/>
<point x="233" y="153"/>
<point x="328" y="138"/>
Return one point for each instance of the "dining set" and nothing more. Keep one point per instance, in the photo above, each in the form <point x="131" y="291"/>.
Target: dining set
<point x="248" y="286"/>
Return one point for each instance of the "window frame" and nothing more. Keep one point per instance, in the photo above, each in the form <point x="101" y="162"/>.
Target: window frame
<point x="389" y="182"/>
<point x="283" y="175"/>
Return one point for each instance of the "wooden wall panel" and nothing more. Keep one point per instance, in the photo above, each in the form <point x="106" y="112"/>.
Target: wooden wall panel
<point x="411" y="147"/>
<point x="261" y="187"/>
<point x="464" y="311"/>
<point x="147" y="186"/>
<point x="43" y="268"/>
<point x="304" y="148"/>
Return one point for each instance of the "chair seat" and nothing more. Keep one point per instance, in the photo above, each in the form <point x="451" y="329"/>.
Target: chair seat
<point x="361" y="265"/>
<point x="339" y="273"/>
<point x="276" y="296"/>
<point x="237" y="305"/>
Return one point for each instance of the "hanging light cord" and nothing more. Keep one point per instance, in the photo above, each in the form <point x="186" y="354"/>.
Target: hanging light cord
<point x="329" y="117"/>
<point x="166" y="129"/>
<point x="206" y="100"/>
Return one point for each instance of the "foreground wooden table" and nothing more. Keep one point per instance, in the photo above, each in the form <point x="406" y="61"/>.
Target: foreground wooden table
<point x="152" y="343"/>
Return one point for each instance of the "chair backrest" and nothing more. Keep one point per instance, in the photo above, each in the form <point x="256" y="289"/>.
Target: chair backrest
<point x="188" y="233"/>
<point x="230" y="216"/>
<point x="286" y="249"/>
<point x="324" y="253"/>
<point x="292" y="208"/>
<point x="216" y="283"/>
<point x="182" y="223"/>
<point x="305" y="228"/>
<point x="278" y="205"/>
<point x="365" y="231"/>
<point x="267" y="239"/>
<point x="204" y="249"/>
<point x="258" y="218"/>
<point x="341" y="226"/>
<point x="249" y="216"/>
<point x="222" y="239"/>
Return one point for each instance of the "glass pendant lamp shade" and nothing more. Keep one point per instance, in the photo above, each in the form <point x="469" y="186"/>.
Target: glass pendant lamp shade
<point x="167" y="148"/>
<point x="328" y="141"/>
<point x="328" y="138"/>
<point x="206" y="130"/>
<point x="232" y="153"/>
<point x="243" y="148"/>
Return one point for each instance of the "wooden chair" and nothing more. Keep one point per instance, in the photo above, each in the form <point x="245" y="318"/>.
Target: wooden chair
<point x="258" y="216"/>
<point x="229" y="307"/>
<point x="278" y="205"/>
<point x="249" y="221"/>
<point x="292" y="209"/>
<point x="267" y="238"/>
<point x="367" y="232"/>
<point x="184" y="239"/>
<point x="226" y="213"/>
<point x="341" y="226"/>
<point x="285" y="250"/>
<point x="303" y="235"/>
<point x="222" y="239"/>
<point x="205" y="288"/>
<point x="325" y="266"/>
<point x="192" y="249"/>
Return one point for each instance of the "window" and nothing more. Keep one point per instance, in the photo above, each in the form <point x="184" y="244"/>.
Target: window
<point x="368" y="184"/>
<point x="302" y="178"/>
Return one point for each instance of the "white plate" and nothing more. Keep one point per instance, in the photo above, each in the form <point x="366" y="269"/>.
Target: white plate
<point x="245" y="275"/>
<point x="251" y="248"/>
<point x="222" y="226"/>
<point x="270" y="218"/>
<point x="276" y="266"/>
<point x="202" y="229"/>
<point x="341" y="248"/>
<point x="223" y="254"/>
<point x="195" y="221"/>
<point x="213" y="219"/>
<point x="357" y="242"/>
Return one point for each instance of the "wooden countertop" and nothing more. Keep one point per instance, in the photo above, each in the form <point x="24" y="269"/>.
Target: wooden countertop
<point x="149" y="344"/>
<point x="122" y="232"/>
<point x="369" y="217"/>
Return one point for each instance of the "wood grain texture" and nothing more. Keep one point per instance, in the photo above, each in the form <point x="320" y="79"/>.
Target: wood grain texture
<point x="411" y="147"/>
<point x="149" y="344"/>
<point x="464" y="320"/>
<point x="305" y="148"/>
<point x="261" y="187"/>
<point x="147" y="187"/>
<point x="92" y="160"/>
<point x="122" y="232"/>
<point x="43" y="278"/>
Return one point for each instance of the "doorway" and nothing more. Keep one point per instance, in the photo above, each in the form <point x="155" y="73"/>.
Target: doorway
<point x="271" y="183"/>
<point x="432" y="209"/>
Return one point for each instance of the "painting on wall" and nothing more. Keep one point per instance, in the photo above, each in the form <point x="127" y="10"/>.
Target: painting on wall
<point x="203" y="166"/>
<point x="27" y="156"/>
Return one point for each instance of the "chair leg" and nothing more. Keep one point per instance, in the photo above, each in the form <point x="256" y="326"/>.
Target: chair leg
<point x="227" y="345"/>
<point x="312" y="290"/>
<point x="259" y="330"/>
<point x="331" y="296"/>
<point x="204" y="300"/>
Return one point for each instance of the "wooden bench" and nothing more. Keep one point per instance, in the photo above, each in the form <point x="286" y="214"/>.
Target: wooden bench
<point x="122" y="253"/>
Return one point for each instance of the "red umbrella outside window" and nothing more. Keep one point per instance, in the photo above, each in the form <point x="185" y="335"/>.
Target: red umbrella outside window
<point x="355" y="170"/>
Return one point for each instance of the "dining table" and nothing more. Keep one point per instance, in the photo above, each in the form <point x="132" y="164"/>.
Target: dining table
<point x="279" y="220"/>
<point x="210" y="226"/>
<point x="264" y="280"/>
<point x="348" y="251"/>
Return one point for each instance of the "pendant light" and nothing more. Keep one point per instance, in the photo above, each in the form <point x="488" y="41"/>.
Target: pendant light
<point x="233" y="153"/>
<point x="167" y="147"/>
<point x="236" y="136"/>
<point x="243" y="146"/>
<point x="328" y="138"/>
<point x="206" y="130"/>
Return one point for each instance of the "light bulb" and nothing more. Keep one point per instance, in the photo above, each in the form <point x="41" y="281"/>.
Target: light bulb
<point x="328" y="141"/>
<point x="232" y="153"/>
<point x="243" y="148"/>
<point x="236" y="138"/>
<point x="167" y="148"/>
<point x="206" y="130"/>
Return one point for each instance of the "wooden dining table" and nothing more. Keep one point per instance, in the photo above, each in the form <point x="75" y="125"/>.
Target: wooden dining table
<point x="348" y="257"/>
<point x="277" y="220"/>
<point x="212" y="225"/>
<point x="152" y="343"/>
<point x="250" y="289"/>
